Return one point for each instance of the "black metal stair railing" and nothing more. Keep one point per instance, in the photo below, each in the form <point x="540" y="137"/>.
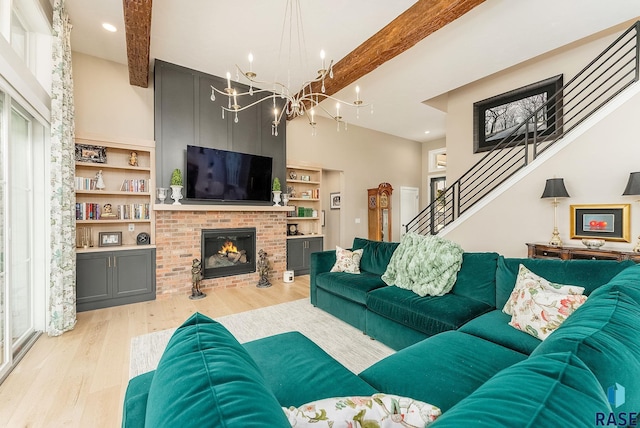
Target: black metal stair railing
<point x="610" y="73"/>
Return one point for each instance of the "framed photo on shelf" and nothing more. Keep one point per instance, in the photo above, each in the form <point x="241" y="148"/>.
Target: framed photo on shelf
<point x="610" y="222"/>
<point x="334" y="199"/>
<point x="91" y="153"/>
<point x="110" y="239"/>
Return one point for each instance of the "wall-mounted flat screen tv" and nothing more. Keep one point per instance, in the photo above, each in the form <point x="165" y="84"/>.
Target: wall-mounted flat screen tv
<point x="221" y="175"/>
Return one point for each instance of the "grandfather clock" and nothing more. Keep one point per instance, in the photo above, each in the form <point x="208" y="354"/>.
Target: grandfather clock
<point x="379" y="201"/>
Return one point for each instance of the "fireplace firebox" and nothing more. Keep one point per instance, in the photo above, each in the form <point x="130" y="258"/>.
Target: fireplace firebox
<point x="227" y="252"/>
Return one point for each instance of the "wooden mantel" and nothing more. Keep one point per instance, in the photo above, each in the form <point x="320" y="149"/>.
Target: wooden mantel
<point x="228" y="208"/>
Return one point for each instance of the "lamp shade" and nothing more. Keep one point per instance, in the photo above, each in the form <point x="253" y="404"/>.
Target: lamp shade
<point x="633" y="185"/>
<point x="555" y="189"/>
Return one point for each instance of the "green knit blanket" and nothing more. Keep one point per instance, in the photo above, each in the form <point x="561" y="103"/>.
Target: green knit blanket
<point x="425" y="264"/>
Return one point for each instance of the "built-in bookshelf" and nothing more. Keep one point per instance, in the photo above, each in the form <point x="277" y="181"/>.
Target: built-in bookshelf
<point x="303" y="186"/>
<point x="114" y="193"/>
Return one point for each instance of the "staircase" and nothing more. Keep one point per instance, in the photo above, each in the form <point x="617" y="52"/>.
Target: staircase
<point x="602" y="80"/>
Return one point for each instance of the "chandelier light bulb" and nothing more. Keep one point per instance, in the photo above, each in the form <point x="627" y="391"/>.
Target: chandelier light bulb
<point x="296" y="102"/>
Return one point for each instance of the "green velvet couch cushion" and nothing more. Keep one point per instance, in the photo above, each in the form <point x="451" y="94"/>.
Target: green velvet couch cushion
<point x="477" y="277"/>
<point x="376" y="254"/>
<point x="349" y="286"/>
<point x="135" y="400"/>
<point x="440" y="370"/>
<point x="429" y="314"/>
<point x="206" y="378"/>
<point x="299" y="371"/>
<point x="321" y="262"/>
<point x="589" y="274"/>
<point x="494" y="327"/>
<point x="555" y="390"/>
<point x="604" y="334"/>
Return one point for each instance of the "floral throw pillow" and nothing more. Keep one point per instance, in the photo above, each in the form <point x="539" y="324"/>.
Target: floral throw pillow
<point x="347" y="261"/>
<point x="529" y="280"/>
<point x="376" y="411"/>
<point x="539" y="312"/>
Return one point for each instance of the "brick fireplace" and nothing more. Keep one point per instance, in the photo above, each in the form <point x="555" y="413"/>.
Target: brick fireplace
<point x="178" y="233"/>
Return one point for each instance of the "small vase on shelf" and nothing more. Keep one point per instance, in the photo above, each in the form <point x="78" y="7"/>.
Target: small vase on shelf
<point x="277" y="190"/>
<point x="276" y="198"/>
<point x="176" y="194"/>
<point x="162" y="194"/>
<point x="285" y="199"/>
<point x="176" y="186"/>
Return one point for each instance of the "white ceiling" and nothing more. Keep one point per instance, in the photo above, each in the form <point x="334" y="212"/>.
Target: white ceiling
<point x="213" y="36"/>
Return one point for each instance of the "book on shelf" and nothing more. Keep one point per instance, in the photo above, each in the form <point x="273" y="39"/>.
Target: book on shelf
<point x="84" y="183"/>
<point x="135" y="185"/>
<point x="94" y="211"/>
<point x="88" y="211"/>
<point x="133" y="212"/>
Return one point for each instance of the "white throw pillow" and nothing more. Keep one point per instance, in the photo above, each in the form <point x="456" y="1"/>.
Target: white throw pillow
<point x="347" y="261"/>
<point x="385" y="410"/>
<point x="529" y="280"/>
<point x="539" y="312"/>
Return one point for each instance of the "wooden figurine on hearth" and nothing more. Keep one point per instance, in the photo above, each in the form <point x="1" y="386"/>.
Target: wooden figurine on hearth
<point x="264" y="270"/>
<point x="196" y="278"/>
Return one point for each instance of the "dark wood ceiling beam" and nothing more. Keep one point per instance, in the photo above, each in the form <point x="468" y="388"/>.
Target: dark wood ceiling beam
<point x="137" y="22"/>
<point x="420" y="20"/>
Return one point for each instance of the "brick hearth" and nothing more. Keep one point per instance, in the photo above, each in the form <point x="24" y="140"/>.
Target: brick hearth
<point x="178" y="243"/>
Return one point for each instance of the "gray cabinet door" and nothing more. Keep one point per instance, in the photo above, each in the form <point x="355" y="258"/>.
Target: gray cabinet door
<point x="133" y="273"/>
<point x="295" y="255"/>
<point x="299" y="253"/>
<point x="93" y="277"/>
<point x="112" y="278"/>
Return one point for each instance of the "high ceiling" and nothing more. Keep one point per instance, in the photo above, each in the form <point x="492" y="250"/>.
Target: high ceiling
<point x="213" y="36"/>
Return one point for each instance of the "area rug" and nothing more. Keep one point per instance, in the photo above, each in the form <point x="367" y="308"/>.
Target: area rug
<point x="345" y="343"/>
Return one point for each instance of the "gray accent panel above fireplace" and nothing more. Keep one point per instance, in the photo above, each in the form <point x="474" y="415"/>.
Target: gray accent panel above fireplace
<point x="185" y="115"/>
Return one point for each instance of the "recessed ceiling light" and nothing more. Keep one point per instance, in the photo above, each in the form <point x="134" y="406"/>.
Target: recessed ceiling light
<point x="109" y="27"/>
<point x="426" y="132"/>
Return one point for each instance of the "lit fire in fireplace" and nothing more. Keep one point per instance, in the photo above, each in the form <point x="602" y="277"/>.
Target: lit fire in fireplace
<point x="228" y="247"/>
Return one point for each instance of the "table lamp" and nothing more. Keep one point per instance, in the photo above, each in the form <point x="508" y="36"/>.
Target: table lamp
<point x="555" y="189"/>
<point x="633" y="188"/>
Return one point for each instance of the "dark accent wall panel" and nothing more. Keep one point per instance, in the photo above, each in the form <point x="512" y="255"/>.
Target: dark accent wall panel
<point x="185" y="114"/>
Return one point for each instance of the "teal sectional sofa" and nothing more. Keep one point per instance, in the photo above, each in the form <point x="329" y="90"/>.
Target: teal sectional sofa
<point x="480" y="372"/>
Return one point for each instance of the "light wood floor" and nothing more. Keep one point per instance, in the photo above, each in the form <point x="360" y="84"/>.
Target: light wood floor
<point x="79" y="379"/>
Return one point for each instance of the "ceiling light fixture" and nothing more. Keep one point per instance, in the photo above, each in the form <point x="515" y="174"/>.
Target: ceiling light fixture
<point x="299" y="103"/>
<point x="109" y="27"/>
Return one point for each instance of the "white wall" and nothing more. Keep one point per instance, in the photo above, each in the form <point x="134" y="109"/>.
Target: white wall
<point x="367" y="159"/>
<point x="568" y="61"/>
<point x="107" y="106"/>
<point x="331" y="182"/>
<point x="595" y="169"/>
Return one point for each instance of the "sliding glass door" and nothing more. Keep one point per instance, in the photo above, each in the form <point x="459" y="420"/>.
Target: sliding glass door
<point x="20" y="209"/>
<point x="17" y="131"/>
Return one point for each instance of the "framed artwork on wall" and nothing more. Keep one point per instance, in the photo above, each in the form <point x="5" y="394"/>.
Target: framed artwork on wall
<point x="496" y="120"/>
<point x="604" y="221"/>
<point x="334" y="199"/>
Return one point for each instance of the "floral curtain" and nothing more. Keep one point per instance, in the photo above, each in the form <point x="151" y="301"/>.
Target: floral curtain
<point x="62" y="300"/>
